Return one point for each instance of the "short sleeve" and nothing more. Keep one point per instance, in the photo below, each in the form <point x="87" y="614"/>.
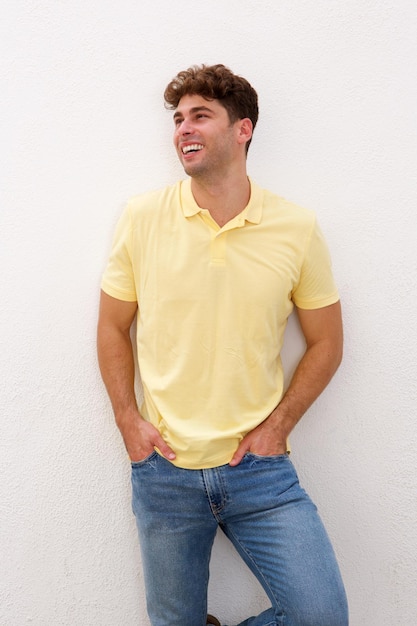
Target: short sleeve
<point x="118" y="278"/>
<point x="316" y="287"/>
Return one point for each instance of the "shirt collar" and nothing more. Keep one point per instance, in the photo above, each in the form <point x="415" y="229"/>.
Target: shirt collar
<point x="251" y="213"/>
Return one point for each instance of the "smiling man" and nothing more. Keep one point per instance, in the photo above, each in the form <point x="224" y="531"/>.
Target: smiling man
<point x="212" y="267"/>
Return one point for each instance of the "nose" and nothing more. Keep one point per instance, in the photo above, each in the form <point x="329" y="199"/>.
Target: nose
<point x="184" y="127"/>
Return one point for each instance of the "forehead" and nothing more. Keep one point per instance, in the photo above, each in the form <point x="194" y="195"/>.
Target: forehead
<point x="193" y="102"/>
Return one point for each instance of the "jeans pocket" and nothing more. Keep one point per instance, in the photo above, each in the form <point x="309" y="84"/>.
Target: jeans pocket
<point x="142" y="462"/>
<point x="267" y="457"/>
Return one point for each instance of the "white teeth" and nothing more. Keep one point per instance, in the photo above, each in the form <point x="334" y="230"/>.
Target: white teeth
<point x="192" y="148"/>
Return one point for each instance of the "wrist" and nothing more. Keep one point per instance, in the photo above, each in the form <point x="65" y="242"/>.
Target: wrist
<point x="127" y="416"/>
<point x="282" y="423"/>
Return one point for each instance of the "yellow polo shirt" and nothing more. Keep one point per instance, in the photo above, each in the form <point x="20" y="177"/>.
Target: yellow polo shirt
<point x="212" y="309"/>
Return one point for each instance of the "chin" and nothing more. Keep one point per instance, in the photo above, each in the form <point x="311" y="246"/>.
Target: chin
<point x="195" y="170"/>
<point x="189" y="170"/>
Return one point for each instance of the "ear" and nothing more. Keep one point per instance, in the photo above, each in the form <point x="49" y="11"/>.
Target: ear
<point x="245" y="129"/>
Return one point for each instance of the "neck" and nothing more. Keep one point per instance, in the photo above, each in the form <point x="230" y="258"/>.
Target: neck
<point x="224" y="199"/>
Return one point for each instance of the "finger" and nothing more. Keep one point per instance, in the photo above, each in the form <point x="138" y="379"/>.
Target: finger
<point x="239" y="454"/>
<point x="165" y="450"/>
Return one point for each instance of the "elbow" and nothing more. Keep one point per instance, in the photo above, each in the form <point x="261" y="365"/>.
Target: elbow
<point x="337" y="353"/>
<point x="339" y="359"/>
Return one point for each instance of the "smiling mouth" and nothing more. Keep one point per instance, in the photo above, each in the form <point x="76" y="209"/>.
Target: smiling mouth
<point x="194" y="147"/>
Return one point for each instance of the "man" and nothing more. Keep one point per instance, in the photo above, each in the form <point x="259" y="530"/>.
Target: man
<point x="213" y="267"/>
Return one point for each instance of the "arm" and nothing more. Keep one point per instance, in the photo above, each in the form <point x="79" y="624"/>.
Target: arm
<point x="322" y="329"/>
<point x="115" y="355"/>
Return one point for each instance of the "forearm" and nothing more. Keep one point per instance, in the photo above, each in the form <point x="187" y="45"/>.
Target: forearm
<point x="323" y="332"/>
<point x="117" y="366"/>
<point x="313" y="374"/>
<point x="115" y="355"/>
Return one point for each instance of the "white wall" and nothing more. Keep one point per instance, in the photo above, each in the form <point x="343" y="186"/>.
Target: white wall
<point x="82" y="128"/>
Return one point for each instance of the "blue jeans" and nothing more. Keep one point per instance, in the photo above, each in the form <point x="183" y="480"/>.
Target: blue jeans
<point x="270" y="520"/>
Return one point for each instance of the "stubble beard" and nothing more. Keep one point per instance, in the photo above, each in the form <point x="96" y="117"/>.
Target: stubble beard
<point x="216" y="162"/>
<point x="198" y="171"/>
<point x="210" y="167"/>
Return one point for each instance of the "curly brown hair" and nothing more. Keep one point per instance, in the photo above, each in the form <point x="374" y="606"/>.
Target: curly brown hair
<point x="215" y="82"/>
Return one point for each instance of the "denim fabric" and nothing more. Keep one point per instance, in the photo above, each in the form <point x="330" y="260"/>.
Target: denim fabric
<point x="268" y="517"/>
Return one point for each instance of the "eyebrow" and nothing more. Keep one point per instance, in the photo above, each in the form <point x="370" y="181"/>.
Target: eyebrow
<point x="193" y="110"/>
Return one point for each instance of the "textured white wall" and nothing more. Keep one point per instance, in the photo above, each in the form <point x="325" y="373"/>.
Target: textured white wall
<point x="83" y="128"/>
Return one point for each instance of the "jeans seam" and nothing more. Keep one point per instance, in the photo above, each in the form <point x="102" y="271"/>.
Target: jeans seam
<point x="266" y="585"/>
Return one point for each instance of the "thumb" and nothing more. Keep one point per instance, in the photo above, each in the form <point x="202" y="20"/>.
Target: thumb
<point x="240" y="453"/>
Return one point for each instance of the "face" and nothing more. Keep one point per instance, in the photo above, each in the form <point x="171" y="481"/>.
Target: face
<point x="205" y="140"/>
